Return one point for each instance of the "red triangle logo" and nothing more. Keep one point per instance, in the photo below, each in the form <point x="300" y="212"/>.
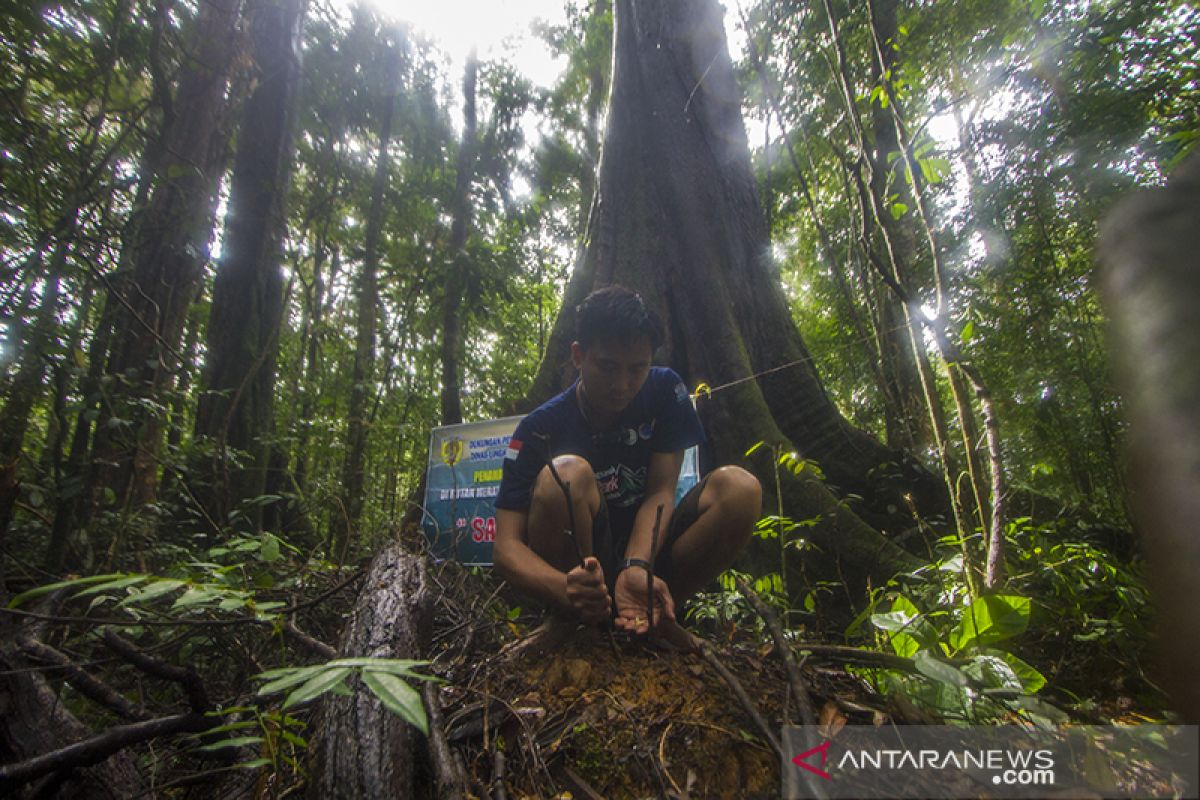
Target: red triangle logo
<point x="802" y="759"/>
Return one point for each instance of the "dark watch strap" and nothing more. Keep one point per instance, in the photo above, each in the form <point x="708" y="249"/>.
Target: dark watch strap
<point x="636" y="562"/>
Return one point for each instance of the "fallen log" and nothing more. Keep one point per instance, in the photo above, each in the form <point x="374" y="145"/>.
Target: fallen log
<point x="362" y="750"/>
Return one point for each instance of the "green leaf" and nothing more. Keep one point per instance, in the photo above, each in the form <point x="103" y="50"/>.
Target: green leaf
<point x="1032" y="681"/>
<point x="939" y="670"/>
<point x="270" y="548"/>
<point x="754" y="448"/>
<point x="256" y="763"/>
<point x="53" y="587"/>
<point x="898" y="210"/>
<point x="196" y="595"/>
<point x="120" y="583"/>
<point x="991" y="619"/>
<point x="237" y="741"/>
<point x="909" y="630"/>
<point x="397" y="697"/>
<point x="395" y="665"/>
<point x="968" y="331"/>
<point x="286" y="677"/>
<point x="933" y="169"/>
<point x="156" y="589"/>
<point x="317" y="685"/>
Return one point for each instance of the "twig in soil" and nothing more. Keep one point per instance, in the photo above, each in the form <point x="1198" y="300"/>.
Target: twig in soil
<point x="650" y="573"/>
<point x="450" y="781"/>
<point x="566" y="490"/>
<point x="662" y="758"/>
<point x="747" y="704"/>
<point x="498" y="775"/>
<point x="795" y="677"/>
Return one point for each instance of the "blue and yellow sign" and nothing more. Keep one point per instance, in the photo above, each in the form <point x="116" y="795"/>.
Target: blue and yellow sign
<point x="465" y="462"/>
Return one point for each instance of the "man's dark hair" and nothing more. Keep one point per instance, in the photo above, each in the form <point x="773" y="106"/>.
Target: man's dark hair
<point x="617" y="314"/>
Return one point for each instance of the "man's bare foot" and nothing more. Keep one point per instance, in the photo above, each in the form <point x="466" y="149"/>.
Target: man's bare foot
<point x="670" y="634"/>
<point x="542" y="639"/>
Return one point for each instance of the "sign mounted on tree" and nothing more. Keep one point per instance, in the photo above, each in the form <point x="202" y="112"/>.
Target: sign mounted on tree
<point x="465" y="465"/>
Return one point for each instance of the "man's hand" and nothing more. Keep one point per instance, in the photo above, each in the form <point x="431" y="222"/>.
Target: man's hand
<point x="586" y="593"/>
<point x="630" y="595"/>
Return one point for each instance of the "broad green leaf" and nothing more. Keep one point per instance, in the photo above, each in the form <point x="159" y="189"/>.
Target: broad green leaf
<point x="256" y="763"/>
<point x="1032" y="681"/>
<point x="53" y="587"/>
<point x="991" y="619"/>
<point x="933" y="169"/>
<point x="968" y="331"/>
<point x="398" y="697"/>
<point x="909" y="630"/>
<point x="938" y="670"/>
<point x="993" y="672"/>
<point x="156" y="589"/>
<point x="317" y="685"/>
<point x="196" y="595"/>
<point x="270" y="548"/>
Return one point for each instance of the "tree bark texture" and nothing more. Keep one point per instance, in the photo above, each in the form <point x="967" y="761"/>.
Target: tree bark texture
<point x="1150" y="253"/>
<point x="238" y="386"/>
<point x="170" y="252"/>
<point x="677" y="218"/>
<point x="364" y="750"/>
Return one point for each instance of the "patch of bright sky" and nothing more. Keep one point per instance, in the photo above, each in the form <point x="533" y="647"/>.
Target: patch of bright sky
<point x="498" y="28"/>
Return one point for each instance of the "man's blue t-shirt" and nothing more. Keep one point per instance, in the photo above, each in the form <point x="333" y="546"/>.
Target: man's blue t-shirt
<point x="660" y="419"/>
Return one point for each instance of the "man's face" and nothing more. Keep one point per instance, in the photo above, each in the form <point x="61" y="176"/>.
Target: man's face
<point x="612" y="372"/>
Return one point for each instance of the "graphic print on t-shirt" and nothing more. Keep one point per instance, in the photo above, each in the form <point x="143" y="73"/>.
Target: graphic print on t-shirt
<point x="622" y="486"/>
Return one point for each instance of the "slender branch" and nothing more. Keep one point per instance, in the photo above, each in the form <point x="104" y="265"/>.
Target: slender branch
<point x="185" y="676"/>
<point x="313" y="644"/>
<point x="92" y="751"/>
<point x="795" y="677"/>
<point x="86" y="684"/>
<point x="747" y="704"/>
<point x="451" y="783"/>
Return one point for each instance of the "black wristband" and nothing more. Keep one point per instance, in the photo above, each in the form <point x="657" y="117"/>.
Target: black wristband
<point x="636" y="562"/>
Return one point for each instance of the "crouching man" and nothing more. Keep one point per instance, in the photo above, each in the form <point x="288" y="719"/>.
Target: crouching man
<point x="617" y="438"/>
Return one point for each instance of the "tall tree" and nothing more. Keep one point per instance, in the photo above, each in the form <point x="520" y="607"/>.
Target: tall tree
<point x="366" y="317"/>
<point x="238" y="386"/>
<point x="170" y="249"/>
<point x="677" y="217"/>
<point x="459" y="226"/>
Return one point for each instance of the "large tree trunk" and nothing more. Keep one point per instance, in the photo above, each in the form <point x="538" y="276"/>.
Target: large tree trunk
<point x="364" y="750"/>
<point x="1149" y="248"/>
<point x="170" y="251"/>
<point x="677" y="218"/>
<point x="238" y="386"/>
